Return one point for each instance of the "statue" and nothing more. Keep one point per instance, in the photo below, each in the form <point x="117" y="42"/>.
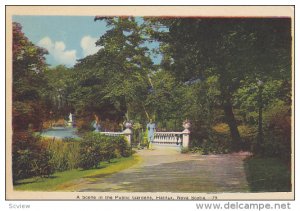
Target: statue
<point x="70" y="122"/>
<point x="70" y="117"/>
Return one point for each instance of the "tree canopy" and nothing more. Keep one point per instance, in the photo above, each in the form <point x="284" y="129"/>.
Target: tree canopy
<point x="231" y="49"/>
<point x="208" y="74"/>
<point x="28" y="80"/>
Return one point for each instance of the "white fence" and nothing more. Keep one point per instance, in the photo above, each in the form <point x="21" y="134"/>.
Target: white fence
<point x="170" y="138"/>
<point x="127" y="133"/>
<point x="112" y="133"/>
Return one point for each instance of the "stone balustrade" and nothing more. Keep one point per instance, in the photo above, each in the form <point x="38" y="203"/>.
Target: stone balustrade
<point x="127" y="133"/>
<point x="168" y="138"/>
<point x="112" y="133"/>
<point x="172" y="138"/>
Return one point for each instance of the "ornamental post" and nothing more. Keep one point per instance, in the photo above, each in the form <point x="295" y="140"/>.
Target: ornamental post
<point x="128" y="132"/>
<point x="186" y="134"/>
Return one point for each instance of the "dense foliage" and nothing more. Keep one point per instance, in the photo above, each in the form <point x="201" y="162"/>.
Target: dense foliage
<point x="208" y="74"/>
<point x="41" y="156"/>
<point x="232" y="50"/>
<point x="96" y="147"/>
<point x="29" y="107"/>
<point x="64" y="153"/>
<point x="30" y="157"/>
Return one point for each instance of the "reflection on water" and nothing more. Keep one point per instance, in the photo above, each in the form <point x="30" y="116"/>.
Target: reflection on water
<point x="60" y="132"/>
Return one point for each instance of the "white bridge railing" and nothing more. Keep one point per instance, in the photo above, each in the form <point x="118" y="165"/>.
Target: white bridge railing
<point x="127" y="133"/>
<point x="172" y="138"/>
<point x="168" y="138"/>
<point x="112" y="133"/>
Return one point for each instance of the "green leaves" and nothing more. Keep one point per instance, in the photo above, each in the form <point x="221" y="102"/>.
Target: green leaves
<point x="28" y="80"/>
<point x="117" y="73"/>
<point x="96" y="147"/>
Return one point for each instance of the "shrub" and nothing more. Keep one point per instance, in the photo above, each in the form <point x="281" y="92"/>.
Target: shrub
<point x="122" y="146"/>
<point x="65" y="153"/>
<point x="96" y="147"/>
<point x="89" y="155"/>
<point x="277" y="132"/>
<point x="197" y="150"/>
<point x="213" y="141"/>
<point x="145" y="142"/>
<point x="107" y="148"/>
<point x="30" y="156"/>
<point x="216" y="144"/>
<point x="221" y="128"/>
<point x="184" y="150"/>
<point x="221" y="134"/>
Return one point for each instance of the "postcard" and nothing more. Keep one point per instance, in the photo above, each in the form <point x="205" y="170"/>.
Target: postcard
<point x="149" y="103"/>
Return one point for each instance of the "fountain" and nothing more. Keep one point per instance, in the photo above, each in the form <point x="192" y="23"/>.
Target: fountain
<point x="61" y="131"/>
<point x="70" y="122"/>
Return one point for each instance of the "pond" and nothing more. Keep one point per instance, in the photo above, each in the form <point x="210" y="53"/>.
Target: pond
<point x="60" y="132"/>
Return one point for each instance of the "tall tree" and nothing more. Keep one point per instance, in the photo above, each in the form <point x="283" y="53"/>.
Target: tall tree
<point x="116" y="76"/>
<point x="231" y="49"/>
<point x="28" y="80"/>
<point x="58" y="90"/>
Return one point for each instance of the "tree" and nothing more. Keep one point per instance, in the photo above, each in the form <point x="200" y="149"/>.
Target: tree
<point x="125" y="44"/>
<point x="29" y="155"/>
<point x="58" y="90"/>
<point x="231" y="49"/>
<point x="115" y="79"/>
<point x="28" y="81"/>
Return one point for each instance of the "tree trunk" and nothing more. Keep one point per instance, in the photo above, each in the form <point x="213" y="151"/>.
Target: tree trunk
<point x="229" y="115"/>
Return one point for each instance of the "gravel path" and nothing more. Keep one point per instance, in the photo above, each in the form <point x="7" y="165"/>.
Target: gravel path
<point x="165" y="169"/>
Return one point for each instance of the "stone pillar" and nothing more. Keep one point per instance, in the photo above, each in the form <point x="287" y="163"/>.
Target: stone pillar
<point x="128" y="134"/>
<point x="185" y="138"/>
<point x="186" y="134"/>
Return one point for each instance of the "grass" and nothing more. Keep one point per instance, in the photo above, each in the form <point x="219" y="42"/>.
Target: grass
<point x="267" y="175"/>
<point x="66" y="179"/>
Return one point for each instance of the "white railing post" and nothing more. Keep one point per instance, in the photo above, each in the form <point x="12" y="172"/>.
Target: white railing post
<point x="186" y="134"/>
<point x="185" y="138"/>
<point x="128" y="134"/>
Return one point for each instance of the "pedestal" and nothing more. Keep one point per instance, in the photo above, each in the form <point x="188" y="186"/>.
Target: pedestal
<point x="185" y="138"/>
<point x="128" y="133"/>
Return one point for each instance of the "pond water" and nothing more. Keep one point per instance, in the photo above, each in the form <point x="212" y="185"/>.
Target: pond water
<point x="60" y="132"/>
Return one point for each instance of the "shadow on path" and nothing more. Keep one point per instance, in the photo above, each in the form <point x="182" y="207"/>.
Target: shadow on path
<point x="165" y="169"/>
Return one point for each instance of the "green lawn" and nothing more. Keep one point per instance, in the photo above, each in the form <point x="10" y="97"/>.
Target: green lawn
<point x="268" y="175"/>
<point x="66" y="179"/>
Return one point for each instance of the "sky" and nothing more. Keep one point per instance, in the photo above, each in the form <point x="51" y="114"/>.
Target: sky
<point x="67" y="38"/>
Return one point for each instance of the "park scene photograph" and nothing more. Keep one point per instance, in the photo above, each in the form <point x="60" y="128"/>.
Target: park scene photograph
<point x="151" y="104"/>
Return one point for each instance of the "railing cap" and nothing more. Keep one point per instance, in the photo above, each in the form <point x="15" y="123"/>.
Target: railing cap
<point x="127" y="131"/>
<point x="168" y="133"/>
<point x="119" y="133"/>
<point x="186" y="131"/>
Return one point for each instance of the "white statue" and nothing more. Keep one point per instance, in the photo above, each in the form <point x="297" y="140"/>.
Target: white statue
<point x="70" y="117"/>
<point x="70" y="122"/>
